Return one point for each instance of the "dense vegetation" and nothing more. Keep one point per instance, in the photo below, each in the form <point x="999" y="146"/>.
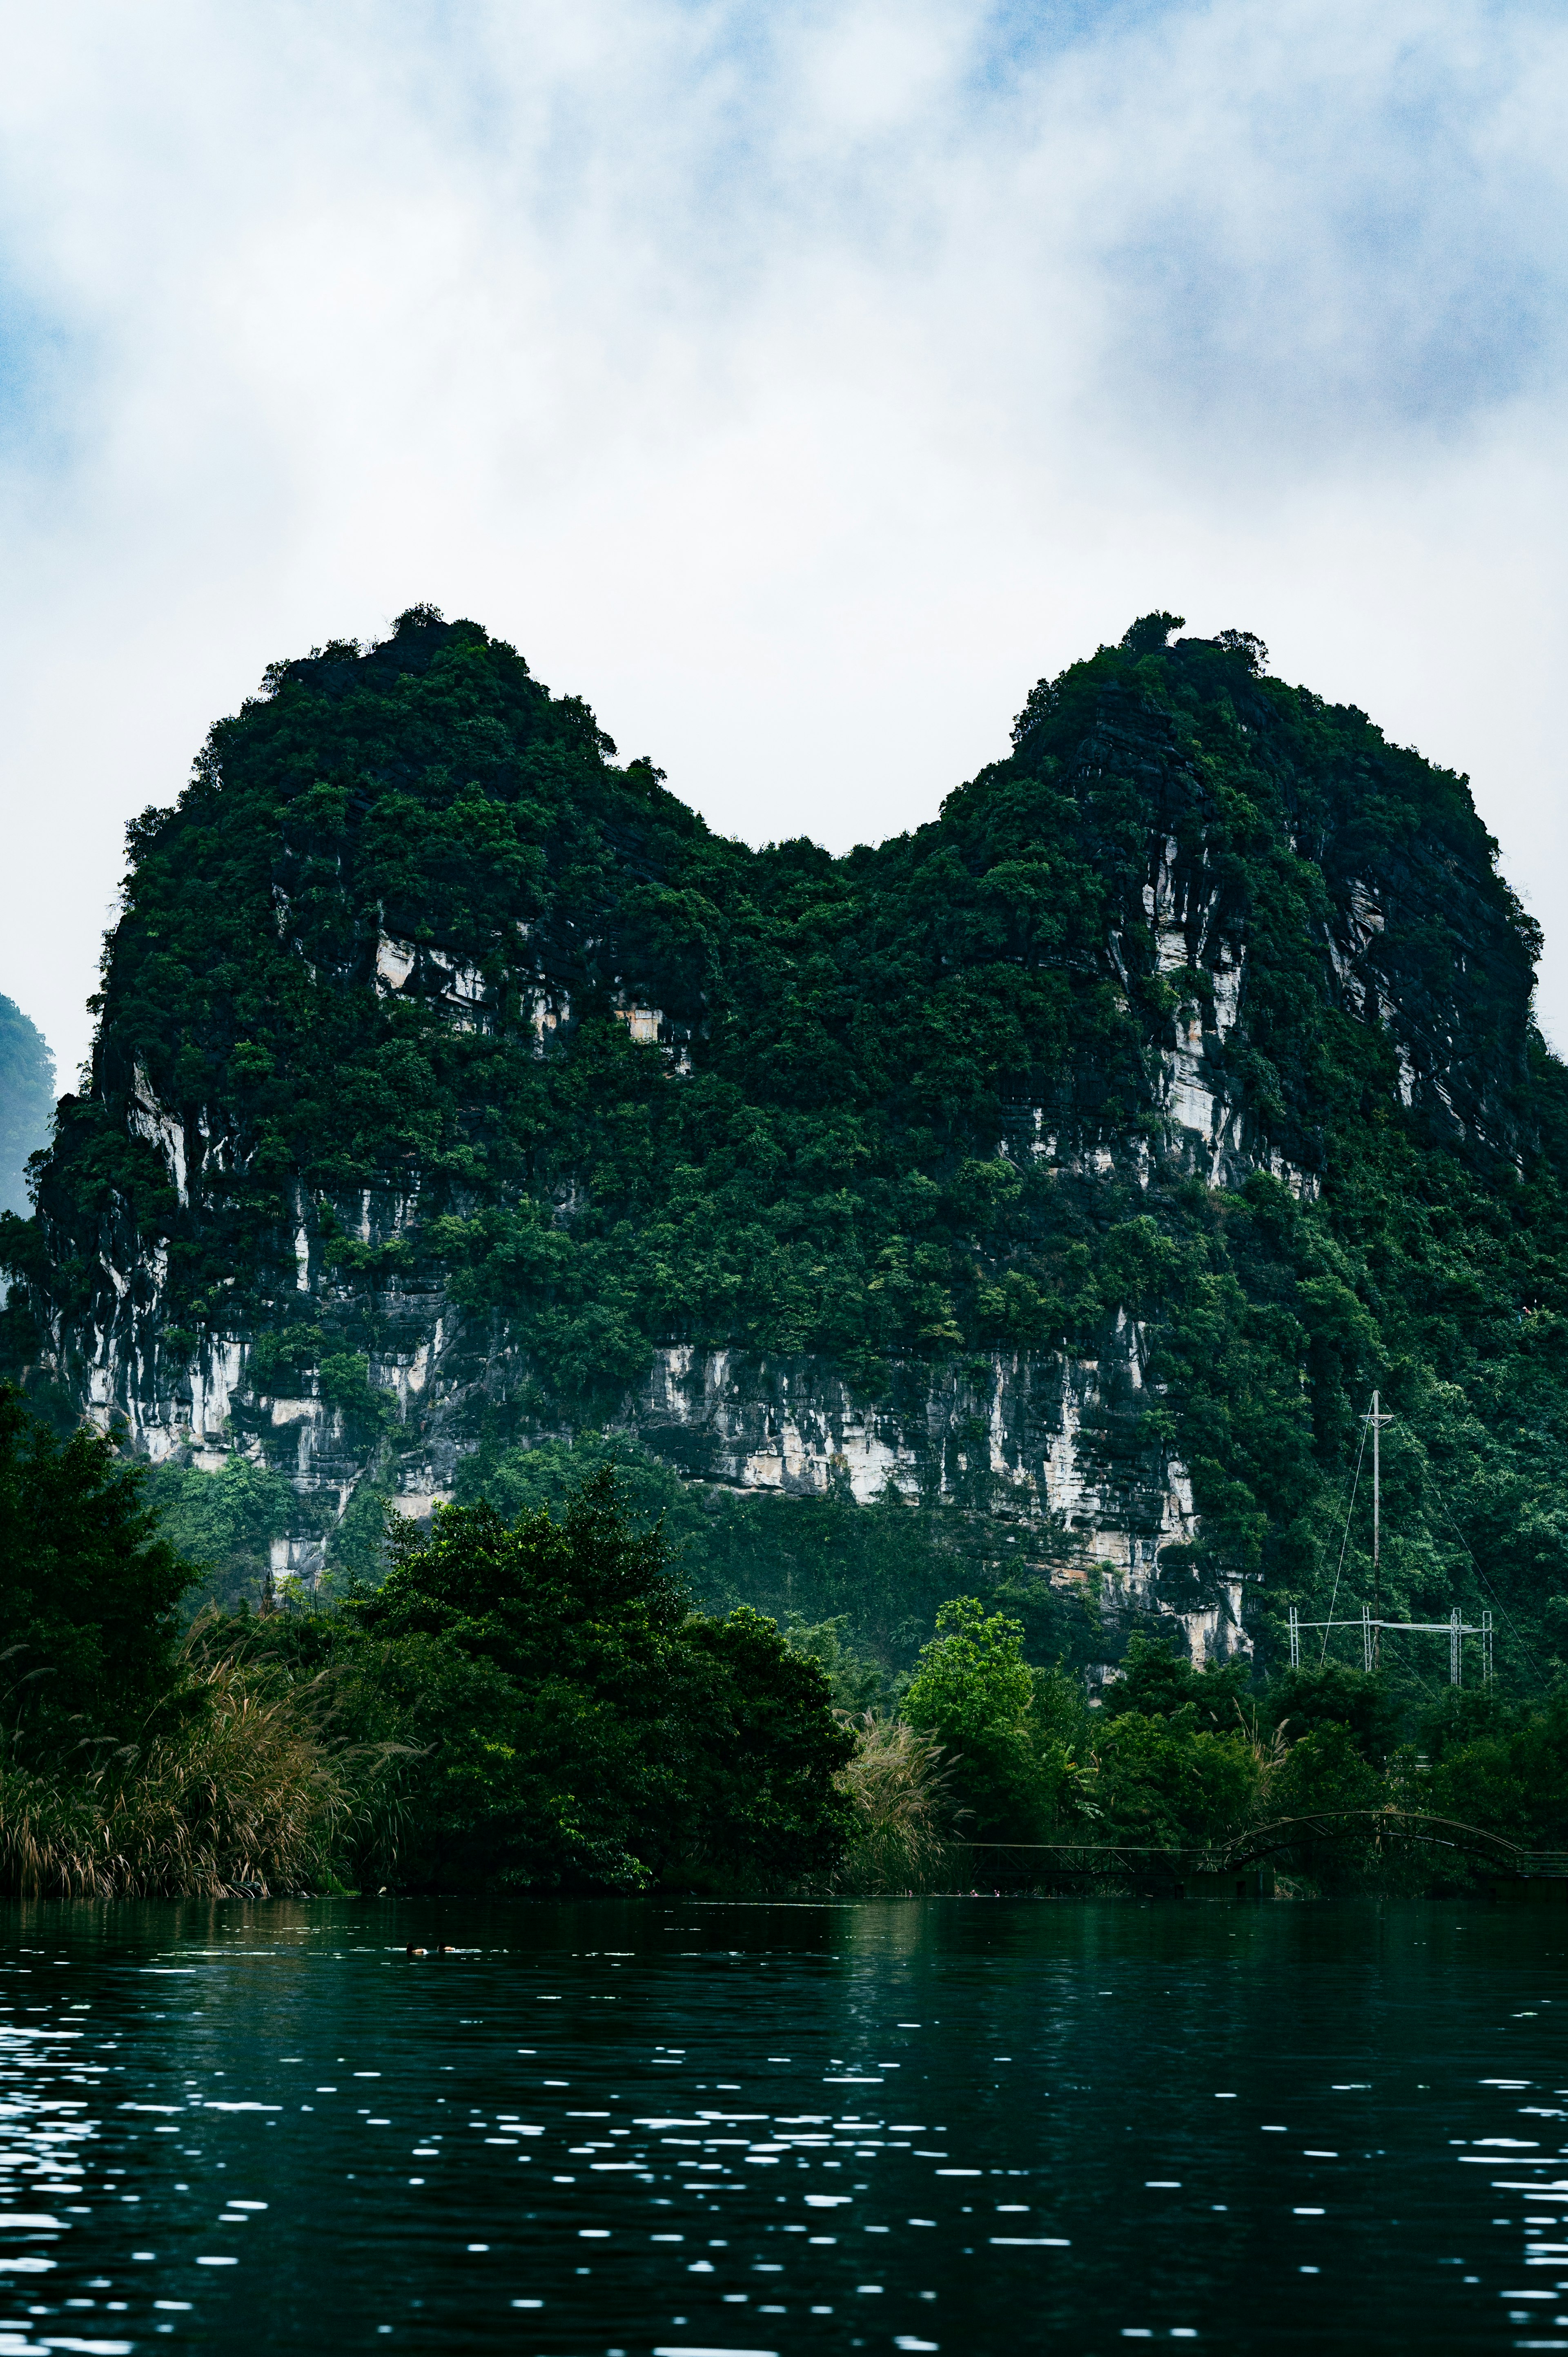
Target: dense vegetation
<point x="88" y="1588"/>
<point x="1323" y="1774"/>
<point x="27" y="1102"/>
<point x="904" y="1112"/>
<point x="521" y="1705"/>
<point x="530" y="1704"/>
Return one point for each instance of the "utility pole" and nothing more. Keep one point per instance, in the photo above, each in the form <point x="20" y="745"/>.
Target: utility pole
<point x="1377" y="1420"/>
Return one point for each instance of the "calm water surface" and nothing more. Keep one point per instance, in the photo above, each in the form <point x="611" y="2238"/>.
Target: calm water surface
<point x="956" y="2124"/>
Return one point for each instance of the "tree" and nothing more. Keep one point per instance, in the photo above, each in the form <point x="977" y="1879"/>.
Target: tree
<point x="1148" y="634"/>
<point x="532" y="1661"/>
<point x="575" y="1724"/>
<point x="1331" y="1694"/>
<point x="88" y="1588"/>
<point x="973" y="1692"/>
<point x="1157" y="1683"/>
<point x="222" y="1523"/>
<point x="760" y="1801"/>
<point x="1159" y="1781"/>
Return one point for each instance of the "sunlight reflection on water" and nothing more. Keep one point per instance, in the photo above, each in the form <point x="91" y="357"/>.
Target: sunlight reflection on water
<point x="897" y="2125"/>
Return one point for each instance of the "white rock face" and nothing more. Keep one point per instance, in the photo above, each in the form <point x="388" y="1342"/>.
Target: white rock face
<point x="455" y="985"/>
<point x="1188" y="942"/>
<point x="794" y="1428"/>
<point x="394" y="963"/>
<point x="1031" y="1428"/>
<point x="549" y="1011"/>
<point x="1205" y="1121"/>
<point x="146" y="1118"/>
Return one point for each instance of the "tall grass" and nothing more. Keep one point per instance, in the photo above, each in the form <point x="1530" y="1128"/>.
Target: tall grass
<point x="900" y="1787"/>
<point x="244" y="1785"/>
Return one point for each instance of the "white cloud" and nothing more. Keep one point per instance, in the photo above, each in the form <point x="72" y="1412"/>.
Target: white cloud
<point x="795" y="384"/>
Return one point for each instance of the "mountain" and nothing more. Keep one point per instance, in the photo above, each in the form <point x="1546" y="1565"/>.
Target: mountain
<point x="26" y="1101"/>
<point x="1060" y="1177"/>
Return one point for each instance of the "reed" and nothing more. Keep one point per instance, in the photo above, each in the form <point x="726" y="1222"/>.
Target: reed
<point x="899" y="1785"/>
<point x="247" y="1785"/>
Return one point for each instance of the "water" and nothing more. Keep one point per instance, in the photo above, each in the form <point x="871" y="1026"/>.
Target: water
<point x="966" y="2126"/>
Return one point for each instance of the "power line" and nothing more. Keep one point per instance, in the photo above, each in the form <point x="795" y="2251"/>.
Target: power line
<point x="1344" y="1543"/>
<point x="1491" y="1591"/>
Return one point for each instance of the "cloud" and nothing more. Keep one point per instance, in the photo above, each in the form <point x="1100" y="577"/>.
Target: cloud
<point x="796" y="384"/>
<point x="1345" y="225"/>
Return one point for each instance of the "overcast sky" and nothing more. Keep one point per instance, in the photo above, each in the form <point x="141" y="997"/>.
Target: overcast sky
<point x="798" y="382"/>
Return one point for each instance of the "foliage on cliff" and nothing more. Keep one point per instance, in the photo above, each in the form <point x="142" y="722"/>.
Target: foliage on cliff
<point x="905" y="1106"/>
<point x="883" y="1568"/>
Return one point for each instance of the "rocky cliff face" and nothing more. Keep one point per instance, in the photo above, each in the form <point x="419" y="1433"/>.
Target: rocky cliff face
<point x="1050" y="1440"/>
<point x="453" y="1081"/>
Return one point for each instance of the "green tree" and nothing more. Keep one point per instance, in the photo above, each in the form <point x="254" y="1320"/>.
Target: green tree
<point x="1163" y="1782"/>
<point x="974" y="1692"/>
<point x="89" y="1588"/>
<point x="576" y="1724"/>
<point x="1503" y="1765"/>
<point x="1333" y="1695"/>
<point x="1157" y="1683"/>
<point x="760" y="1804"/>
<point x="222" y="1523"/>
<point x="1324" y="1803"/>
<point x="856" y="1683"/>
<point x="534" y="1659"/>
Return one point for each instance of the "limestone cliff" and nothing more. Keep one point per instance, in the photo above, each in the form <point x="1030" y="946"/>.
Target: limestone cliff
<point x="453" y="1081"/>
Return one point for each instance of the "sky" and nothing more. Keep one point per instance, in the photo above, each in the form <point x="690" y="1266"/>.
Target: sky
<point x="798" y="382"/>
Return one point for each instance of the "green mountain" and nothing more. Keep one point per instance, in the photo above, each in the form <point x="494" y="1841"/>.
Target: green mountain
<point x="26" y="1101"/>
<point x="1033" y="1201"/>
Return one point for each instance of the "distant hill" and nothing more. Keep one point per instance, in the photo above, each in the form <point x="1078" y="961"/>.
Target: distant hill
<point x="27" y="1102"/>
<point x="1070" y="1169"/>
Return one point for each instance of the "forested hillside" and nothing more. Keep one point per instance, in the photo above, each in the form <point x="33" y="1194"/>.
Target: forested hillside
<point x="1030" y="1202"/>
<point x="26" y="1101"/>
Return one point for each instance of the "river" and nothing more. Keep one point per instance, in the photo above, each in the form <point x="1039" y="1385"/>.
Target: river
<point x="631" y="2129"/>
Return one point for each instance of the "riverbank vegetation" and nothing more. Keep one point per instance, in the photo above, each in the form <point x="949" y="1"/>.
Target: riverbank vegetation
<point x="529" y="1703"/>
<point x="1176" y="1777"/>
